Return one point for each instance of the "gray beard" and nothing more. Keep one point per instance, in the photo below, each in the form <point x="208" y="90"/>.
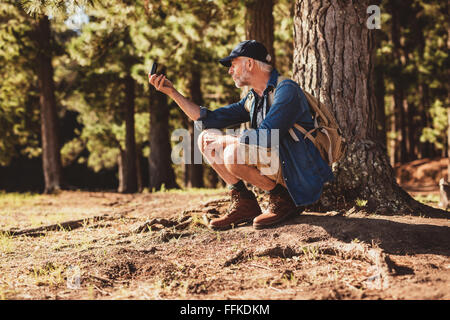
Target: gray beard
<point x="243" y="80"/>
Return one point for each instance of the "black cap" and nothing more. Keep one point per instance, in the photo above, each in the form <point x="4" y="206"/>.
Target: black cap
<point x="248" y="48"/>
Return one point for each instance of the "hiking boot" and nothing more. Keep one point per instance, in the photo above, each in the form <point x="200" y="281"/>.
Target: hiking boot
<point x="243" y="208"/>
<point x="280" y="207"/>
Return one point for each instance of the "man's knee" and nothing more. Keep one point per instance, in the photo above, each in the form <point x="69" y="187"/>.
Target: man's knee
<point x="201" y="143"/>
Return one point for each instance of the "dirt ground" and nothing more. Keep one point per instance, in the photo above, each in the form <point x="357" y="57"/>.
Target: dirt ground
<point x="95" y="245"/>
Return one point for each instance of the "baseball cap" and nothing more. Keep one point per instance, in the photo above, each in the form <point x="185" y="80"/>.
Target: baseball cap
<point x="248" y="48"/>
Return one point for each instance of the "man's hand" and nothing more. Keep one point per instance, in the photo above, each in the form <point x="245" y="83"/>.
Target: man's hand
<point x="212" y="141"/>
<point x="161" y="83"/>
<point x="165" y="86"/>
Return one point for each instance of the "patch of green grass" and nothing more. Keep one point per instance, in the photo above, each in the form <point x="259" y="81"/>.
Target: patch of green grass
<point x="49" y="274"/>
<point x="361" y="203"/>
<point x="16" y="199"/>
<point x="6" y="243"/>
<point x="49" y="218"/>
<point x="6" y="292"/>
<point x="311" y="252"/>
<point x="429" y="198"/>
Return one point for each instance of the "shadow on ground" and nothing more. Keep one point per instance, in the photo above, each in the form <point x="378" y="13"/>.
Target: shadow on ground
<point x="392" y="236"/>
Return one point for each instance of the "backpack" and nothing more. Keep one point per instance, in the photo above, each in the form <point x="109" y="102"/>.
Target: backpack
<point x="328" y="140"/>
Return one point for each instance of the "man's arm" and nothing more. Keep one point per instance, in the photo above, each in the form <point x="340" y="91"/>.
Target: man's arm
<point x="164" y="85"/>
<point x="223" y="117"/>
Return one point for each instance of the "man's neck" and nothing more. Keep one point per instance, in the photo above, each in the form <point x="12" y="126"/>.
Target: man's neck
<point x="260" y="82"/>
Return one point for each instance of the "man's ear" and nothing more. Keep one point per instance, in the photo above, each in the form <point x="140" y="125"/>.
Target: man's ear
<point x="250" y="64"/>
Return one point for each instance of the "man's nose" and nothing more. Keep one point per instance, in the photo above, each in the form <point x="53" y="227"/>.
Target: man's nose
<point x="230" y="70"/>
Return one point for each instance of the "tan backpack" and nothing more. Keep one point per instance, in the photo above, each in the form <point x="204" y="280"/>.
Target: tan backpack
<point x="328" y="140"/>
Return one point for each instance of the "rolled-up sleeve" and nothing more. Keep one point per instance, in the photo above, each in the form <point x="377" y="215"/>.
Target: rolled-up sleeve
<point x="288" y="107"/>
<point x="224" y="117"/>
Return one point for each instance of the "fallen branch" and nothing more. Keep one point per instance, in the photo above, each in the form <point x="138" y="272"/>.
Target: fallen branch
<point x="238" y="257"/>
<point x="215" y="202"/>
<point x="148" y="224"/>
<point x="62" y="226"/>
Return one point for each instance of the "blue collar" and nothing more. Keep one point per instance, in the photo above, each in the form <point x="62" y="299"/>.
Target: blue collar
<point x="273" y="79"/>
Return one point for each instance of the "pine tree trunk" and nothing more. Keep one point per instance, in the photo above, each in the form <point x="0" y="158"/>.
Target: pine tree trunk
<point x="121" y="164"/>
<point x="160" y="163"/>
<point x="334" y="60"/>
<point x="380" y="92"/>
<point x="194" y="171"/>
<point x="425" y="147"/>
<point x="212" y="177"/>
<point x="51" y="158"/>
<point x="130" y="184"/>
<point x="259" y="24"/>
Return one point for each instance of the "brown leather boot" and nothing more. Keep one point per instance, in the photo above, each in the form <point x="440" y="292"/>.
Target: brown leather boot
<point x="280" y="207"/>
<point x="243" y="208"/>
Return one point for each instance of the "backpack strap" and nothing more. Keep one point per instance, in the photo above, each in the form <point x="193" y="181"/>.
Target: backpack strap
<point x="307" y="134"/>
<point x="314" y="104"/>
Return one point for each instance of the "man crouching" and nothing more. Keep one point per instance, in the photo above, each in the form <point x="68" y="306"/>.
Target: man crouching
<point x="272" y="154"/>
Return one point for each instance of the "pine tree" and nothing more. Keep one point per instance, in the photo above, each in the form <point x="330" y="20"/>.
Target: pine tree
<point x="36" y="42"/>
<point x="328" y="71"/>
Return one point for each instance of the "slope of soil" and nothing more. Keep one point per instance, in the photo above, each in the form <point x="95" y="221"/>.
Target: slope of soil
<point x="82" y="245"/>
<point x="422" y="175"/>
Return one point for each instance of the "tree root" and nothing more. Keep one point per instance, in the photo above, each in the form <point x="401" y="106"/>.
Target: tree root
<point x="384" y="267"/>
<point x="241" y="255"/>
<point x="149" y="225"/>
<point x="63" y="226"/>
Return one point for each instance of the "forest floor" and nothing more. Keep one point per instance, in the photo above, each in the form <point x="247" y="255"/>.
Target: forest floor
<point x="99" y="245"/>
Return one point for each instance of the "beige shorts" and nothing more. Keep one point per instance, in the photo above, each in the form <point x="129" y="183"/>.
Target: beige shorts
<point x="267" y="162"/>
<point x="263" y="159"/>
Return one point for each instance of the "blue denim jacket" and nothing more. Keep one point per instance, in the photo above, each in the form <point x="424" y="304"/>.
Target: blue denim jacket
<point x="304" y="170"/>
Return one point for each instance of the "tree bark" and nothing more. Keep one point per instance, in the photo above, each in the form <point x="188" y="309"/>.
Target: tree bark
<point x="130" y="182"/>
<point x="259" y="24"/>
<point x="121" y="164"/>
<point x="160" y="163"/>
<point x="51" y="158"/>
<point x="380" y="92"/>
<point x="334" y="60"/>
<point x="194" y="172"/>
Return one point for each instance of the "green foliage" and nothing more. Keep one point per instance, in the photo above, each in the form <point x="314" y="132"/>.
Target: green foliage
<point x="423" y="66"/>
<point x="437" y="133"/>
<point x="55" y="8"/>
<point x="185" y="37"/>
<point x="18" y="95"/>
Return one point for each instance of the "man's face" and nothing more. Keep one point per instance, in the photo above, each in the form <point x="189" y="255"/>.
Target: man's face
<point x="239" y="72"/>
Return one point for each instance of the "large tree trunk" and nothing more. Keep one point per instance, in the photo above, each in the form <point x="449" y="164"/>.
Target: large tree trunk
<point x="160" y="163"/>
<point x="259" y="23"/>
<point x="259" y="26"/>
<point x="380" y="92"/>
<point x="334" y="60"/>
<point x="129" y="170"/>
<point x="194" y="172"/>
<point x="51" y="158"/>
